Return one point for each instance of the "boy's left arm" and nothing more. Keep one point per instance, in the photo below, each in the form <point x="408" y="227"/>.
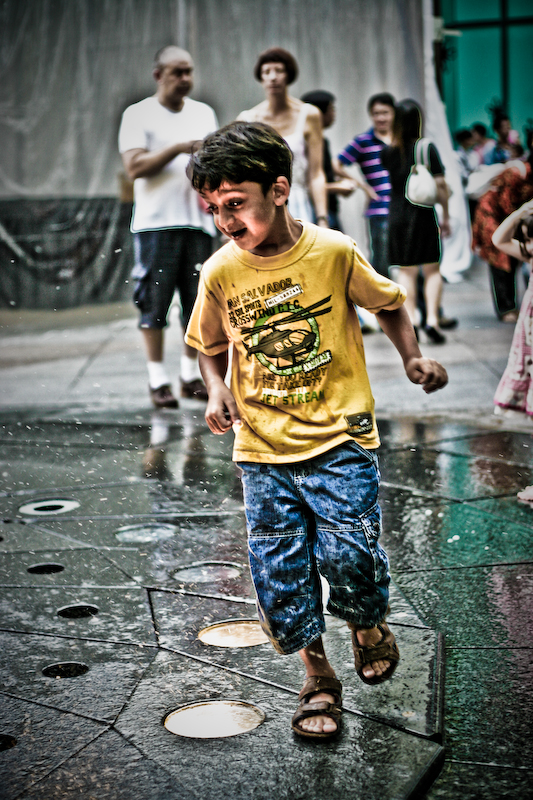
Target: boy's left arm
<point x="425" y="371"/>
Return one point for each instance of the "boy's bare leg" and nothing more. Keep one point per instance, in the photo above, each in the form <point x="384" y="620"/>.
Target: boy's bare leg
<point x="316" y="663"/>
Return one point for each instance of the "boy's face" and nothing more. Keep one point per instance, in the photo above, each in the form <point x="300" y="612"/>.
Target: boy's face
<point x="242" y="212"/>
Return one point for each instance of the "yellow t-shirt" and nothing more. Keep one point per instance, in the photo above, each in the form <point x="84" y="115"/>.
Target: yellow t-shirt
<point x="298" y="366"/>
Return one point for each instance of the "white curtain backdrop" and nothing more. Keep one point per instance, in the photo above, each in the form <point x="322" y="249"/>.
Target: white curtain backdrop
<point x="68" y="68"/>
<point x="456" y="250"/>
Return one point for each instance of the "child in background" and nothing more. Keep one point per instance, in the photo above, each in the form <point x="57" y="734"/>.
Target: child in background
<point x="514" y="395"/>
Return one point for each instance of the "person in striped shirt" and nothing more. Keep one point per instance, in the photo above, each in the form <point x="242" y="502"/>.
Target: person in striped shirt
<point x="365" y="150"/>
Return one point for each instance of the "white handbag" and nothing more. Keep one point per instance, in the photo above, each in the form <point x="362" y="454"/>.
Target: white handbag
<point x="421" y="186"/>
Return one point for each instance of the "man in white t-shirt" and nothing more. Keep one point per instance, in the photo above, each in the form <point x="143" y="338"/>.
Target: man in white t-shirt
<point x="173" y="235"/>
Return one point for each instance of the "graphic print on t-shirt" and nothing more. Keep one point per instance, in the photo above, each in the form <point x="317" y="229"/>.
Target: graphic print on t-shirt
<point x="281" y="333"/>
<point x="285" y="337"/>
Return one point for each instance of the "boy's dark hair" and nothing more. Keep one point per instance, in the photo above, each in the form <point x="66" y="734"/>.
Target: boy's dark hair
<point x="319" y="98"/>
<point x="523" y="233"/>
<point x="384" y="98"/>
<point x="462" y="135"/>
<point x="238" y="152"/>
<point x="480" y="129"/>
<point x="277" y="55"/>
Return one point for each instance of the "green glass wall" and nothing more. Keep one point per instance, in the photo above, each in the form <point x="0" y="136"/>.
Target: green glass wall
<point x="491" y="59"/>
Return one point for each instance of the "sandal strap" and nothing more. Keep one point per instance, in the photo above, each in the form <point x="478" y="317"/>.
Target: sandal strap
<point x="306" y="710"/>
<point x="384" y="650"/>
<point x="321" y="683"/>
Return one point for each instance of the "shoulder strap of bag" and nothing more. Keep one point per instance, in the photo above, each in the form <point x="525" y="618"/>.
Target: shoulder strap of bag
<point x="424" y="149"/>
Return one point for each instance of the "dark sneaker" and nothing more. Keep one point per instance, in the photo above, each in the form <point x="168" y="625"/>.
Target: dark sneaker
<point x="434" y="335"/>
<point x="195" y="389"/>
<point x="162" y="397"/>
<point x="448" y="323"/>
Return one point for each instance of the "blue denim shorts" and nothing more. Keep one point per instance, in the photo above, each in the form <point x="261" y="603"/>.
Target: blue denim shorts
<point x="312" y="518"/>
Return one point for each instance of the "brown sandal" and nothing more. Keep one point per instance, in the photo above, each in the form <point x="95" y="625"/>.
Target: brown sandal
<point x="384" y="650"/>
<point x="313" y="685"/>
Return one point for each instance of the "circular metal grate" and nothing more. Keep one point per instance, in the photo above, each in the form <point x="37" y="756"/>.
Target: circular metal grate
<point x="77" y="611"/>
<point x="45" y="569"/>
<point x="7" y="741"/>
<point x="214" y="719"/>
<point x="65" y="669"/>
<point x="42" y="508"/>
<point x="207" y="572"/>
<point x="143" y="534"/>
<point x="234" y="633"/>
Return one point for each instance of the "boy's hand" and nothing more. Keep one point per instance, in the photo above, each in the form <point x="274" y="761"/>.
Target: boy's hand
<point x="221" y="412"/>
<point x="427" y="373"/>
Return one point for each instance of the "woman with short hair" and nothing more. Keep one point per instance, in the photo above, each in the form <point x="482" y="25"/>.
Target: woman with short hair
<point x="300" y="124"/>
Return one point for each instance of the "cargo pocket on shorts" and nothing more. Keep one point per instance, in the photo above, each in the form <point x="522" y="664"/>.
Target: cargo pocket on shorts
<point x="371" y="522"/>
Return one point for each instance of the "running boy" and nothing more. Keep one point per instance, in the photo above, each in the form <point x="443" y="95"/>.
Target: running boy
<point x="282" y="295"/>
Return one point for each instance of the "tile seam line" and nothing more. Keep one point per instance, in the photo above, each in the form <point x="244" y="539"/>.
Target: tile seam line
<point x="78" y="488"/>
<point x="41" y="704"/>
<point x="99" y="349"/>
<point x="61" y="763"/>
<point x="155" y="515"/>
<point x="488" y="764"/>
<point x="482" y="565"/>
<point x="52" y="635"/>
<point x="490" y="647"/>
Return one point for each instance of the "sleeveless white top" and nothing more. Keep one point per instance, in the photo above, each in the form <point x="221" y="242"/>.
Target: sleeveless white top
<point x="299" y="203"/>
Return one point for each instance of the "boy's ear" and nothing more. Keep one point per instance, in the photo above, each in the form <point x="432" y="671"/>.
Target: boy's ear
<point x="281" y="189"/>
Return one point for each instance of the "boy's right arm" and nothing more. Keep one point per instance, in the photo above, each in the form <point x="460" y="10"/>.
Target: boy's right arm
<point x="425" y="371"/>
<point x="221" y="412"/>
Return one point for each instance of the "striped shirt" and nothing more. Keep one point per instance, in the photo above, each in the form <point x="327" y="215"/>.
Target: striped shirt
<point x="365" y="150"/>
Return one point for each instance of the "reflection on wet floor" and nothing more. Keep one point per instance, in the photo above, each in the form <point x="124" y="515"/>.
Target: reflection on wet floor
<point x="123" y="568"/>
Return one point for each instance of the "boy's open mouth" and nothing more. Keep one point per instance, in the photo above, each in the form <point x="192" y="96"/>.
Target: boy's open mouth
<point x="237" y="234"/>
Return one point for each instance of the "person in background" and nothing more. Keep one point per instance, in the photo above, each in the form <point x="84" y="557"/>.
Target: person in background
<point x="301" y="127"/>
<point x="482" y="144"/>
<point x="467" y="159"/>
<point x="506" y="137"/>
<point x="336" y="183"/>
<point x="365" y="150"/>
<point x="173" y="236"/>
<point x="508" y="192"/>
<point x="414" y="234"/>
<point x="514" y="395"/>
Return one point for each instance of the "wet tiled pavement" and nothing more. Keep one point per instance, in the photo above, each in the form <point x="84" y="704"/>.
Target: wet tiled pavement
<point x="122" y="536"/>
